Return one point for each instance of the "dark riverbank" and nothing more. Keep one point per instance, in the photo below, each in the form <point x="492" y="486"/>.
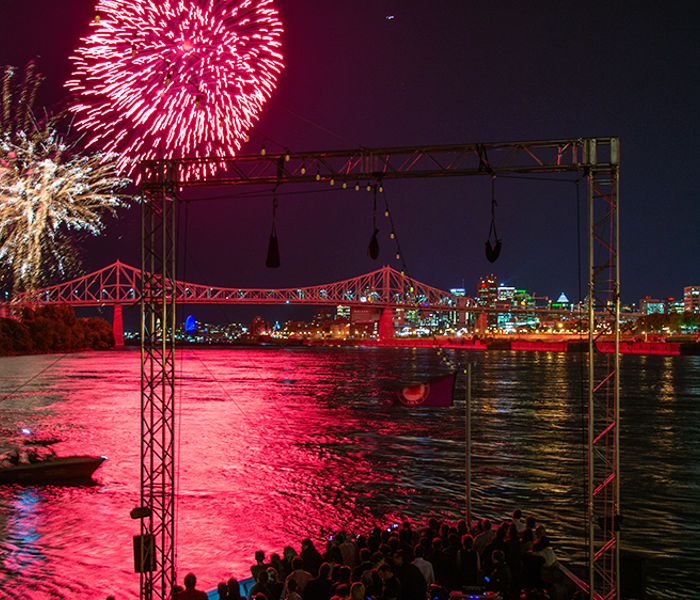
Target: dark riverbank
<point x="53" y="329"/>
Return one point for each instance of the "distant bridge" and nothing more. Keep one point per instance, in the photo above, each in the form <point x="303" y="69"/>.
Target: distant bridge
<point x="120" y="284"/>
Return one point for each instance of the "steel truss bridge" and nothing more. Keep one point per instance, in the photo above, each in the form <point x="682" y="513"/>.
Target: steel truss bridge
<point x="120" y="284"/>
<point x="595" y="160"/>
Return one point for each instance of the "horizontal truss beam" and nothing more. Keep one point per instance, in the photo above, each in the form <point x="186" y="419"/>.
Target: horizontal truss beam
<point x="380" y="164"/>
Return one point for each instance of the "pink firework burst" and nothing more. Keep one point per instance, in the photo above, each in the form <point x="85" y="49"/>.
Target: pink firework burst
<point x="175" y="78"/>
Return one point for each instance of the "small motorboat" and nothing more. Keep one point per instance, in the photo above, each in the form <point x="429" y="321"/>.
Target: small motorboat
<point x="47" y="470"/>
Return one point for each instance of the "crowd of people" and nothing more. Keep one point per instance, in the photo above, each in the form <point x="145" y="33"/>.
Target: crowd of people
<point x="405" y="562"/>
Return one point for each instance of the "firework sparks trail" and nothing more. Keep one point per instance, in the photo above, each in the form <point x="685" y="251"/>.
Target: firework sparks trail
<point x="46" y="189"/>
<point x="175" y="78"/>
<point x="43" y="192"/>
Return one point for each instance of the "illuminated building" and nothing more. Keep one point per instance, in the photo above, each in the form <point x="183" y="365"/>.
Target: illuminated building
<point x="487" y="291"/>
<point x="648" y="305"/>
<point x="486" y="296"/>
<point x="691" y="298"/>
<point x="674" y="305"/>
<point x="258" y="325"/>
<point x="457" y="318"/>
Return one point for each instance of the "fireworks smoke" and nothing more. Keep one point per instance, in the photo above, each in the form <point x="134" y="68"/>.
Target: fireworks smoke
<point x="46" y="190"/>
<point x="175" y="78"/>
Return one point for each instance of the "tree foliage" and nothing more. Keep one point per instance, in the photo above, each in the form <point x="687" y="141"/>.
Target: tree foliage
<point x="53" y="328"/>
<point x="671" y="322"/>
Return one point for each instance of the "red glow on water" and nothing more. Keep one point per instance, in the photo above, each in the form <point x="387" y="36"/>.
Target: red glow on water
<point x="175" y="78"/>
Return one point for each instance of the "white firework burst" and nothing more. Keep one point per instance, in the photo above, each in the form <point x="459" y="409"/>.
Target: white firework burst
<point x="46" y="190"/>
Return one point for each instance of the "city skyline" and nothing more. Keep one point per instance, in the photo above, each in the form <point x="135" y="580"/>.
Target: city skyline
<point x="390" y="74"/>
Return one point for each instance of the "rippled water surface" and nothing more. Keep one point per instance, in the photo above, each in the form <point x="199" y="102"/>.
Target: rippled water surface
<point x="275" y="444"/>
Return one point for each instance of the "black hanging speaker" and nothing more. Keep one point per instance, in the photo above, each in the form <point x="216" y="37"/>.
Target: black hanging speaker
<point x="373" y="250"/>
<point x="492" y="252"/>
<point x="273" y="252"/>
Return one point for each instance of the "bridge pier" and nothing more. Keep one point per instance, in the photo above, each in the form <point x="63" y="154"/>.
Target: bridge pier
<point x="118" y="326"/>
<point x="386" y="325"/>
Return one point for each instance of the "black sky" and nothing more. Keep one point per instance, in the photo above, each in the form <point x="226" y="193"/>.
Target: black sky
<point x="404" y="73"/>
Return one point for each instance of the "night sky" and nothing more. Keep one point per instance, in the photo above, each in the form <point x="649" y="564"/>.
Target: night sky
<point x="407" y="73"/>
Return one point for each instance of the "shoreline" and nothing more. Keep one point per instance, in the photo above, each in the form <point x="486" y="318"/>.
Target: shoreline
<point x="531" y="344"/>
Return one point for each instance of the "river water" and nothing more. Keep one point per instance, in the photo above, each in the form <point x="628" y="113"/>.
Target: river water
<point x="275" y="444"/>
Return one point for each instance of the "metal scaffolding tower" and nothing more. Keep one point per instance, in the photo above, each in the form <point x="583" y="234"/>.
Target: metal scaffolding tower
<point x="157" y="540"/>
<point x="596" y="159"/>
<point x="603" y="379"/>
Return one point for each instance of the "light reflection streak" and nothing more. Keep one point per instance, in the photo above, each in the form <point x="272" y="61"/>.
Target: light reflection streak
<point x="305" y="451"/>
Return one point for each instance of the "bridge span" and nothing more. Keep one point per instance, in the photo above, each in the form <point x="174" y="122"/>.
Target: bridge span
<point x="120" y="284"/>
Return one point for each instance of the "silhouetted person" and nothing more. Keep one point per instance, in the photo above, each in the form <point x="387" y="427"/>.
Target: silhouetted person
<point x="298" y="573"/>
<point x="312" y="557"/>
<point x="357" y="591"/>
<point x="532" y="564"/>
<point x="280" y="566"/>
<point x="391" y="589"/>
<point x="486" y="535"/>
<point x="259" y="565"/>
<point x="190" y="593"/>
<point x="498" y="542"/>
<point x="319" y="587"/>
<point x="413" y="584"/>
<point x="530" y="525"/>
<point x="500" y="579"/>
<point x="518" y="520"/>
<point x="293" y="590"/>
<point x="260" y="586"/>
<point x="514" y="556"/>
<point x="222" y="590"/>
<point x="344" y="578"/>
<point x="469" y="562"/>
<point x="365" y="564"/>
<point x="445" y="567"/>
<point x="274" y="585"/>
<point x="234" y="589"/>
<point x="424" y="566"/>
<point x="374" y="585"/>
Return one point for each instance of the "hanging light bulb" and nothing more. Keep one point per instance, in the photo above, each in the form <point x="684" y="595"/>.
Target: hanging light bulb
<point x="332" y="181"/>
<point x="369" y="187"/>
<point x="398" y="256"/>
<point x="345" y="184"/>
<point x="303" y="168"/>
<point x="263" y="152"/>
<point x="386" y="212"/>
<point x="318" y="174"/>
<point x="357" y="186"/>
<point x="392" y="235"/>
<point x="381" y="187"/>
<point x="286" y="155"/>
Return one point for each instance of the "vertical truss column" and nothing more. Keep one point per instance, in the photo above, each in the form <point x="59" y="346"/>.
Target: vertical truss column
<point x="604" y="379"/>
<point x="158" y="389"/>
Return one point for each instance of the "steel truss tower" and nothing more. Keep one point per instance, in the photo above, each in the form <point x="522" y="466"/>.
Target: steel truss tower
<point x="596" y="159"/>
<point x="157" y="552"/>
<point x="604" y="379"/>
